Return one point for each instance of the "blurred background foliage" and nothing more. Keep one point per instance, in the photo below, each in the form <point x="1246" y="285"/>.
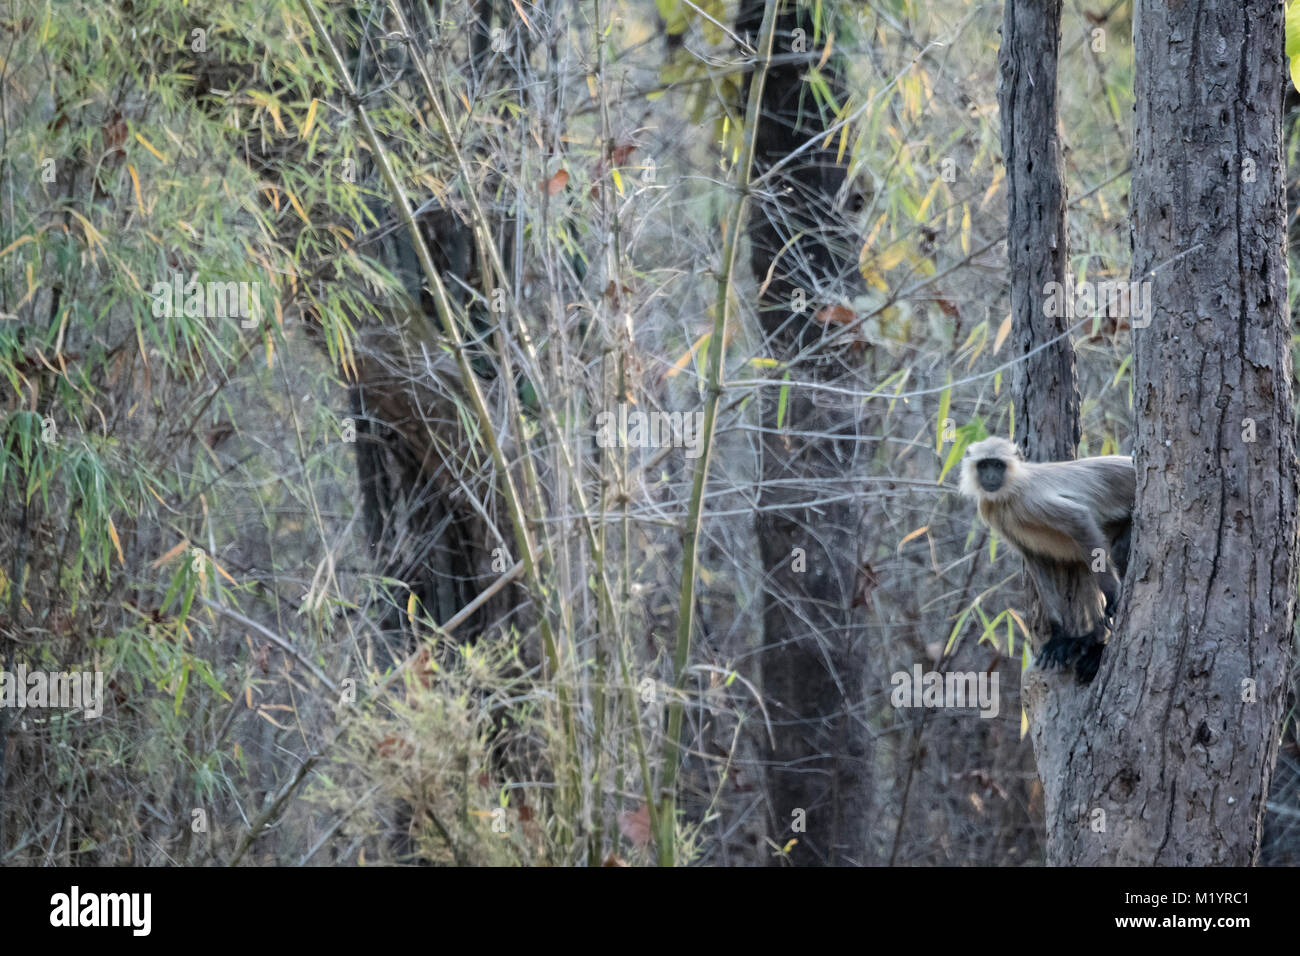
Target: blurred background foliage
<point x="258" y="527"/>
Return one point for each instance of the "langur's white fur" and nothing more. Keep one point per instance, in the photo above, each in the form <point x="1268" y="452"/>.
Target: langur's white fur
<point x="1057" y="515"/>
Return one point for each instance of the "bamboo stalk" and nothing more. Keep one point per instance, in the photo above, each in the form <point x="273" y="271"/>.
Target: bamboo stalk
<point x="667" y="823"/>
<point x="596" y="542"/>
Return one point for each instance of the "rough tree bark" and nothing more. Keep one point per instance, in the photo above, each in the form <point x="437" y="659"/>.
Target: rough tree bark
<point x="1046" y="384"/>
<point x="814" y="654"/>
<point x="1166" y="758"/>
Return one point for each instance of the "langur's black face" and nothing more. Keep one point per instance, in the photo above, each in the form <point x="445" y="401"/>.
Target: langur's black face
<point x="992" y="472"/>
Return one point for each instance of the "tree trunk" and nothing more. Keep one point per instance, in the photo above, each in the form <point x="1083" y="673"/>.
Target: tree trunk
<point x="423" y="526"/>
<point x="1166" y="758"/>
<point x="1046" y="384"/>
<point x="814" y="651"/>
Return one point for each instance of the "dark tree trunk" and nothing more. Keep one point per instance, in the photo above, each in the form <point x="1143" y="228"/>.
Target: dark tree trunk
<point x="1046" y="384"/>
<point x="1166" y="759"/>
<point x="814" y="651"/>
<point x="422" y="527"/>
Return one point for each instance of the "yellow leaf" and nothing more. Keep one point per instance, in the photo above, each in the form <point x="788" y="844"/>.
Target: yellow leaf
<point x="135" y="181"/>
<point x="117" y="543"/>
<point x="978" y="338"/>
<point x="929" y="198"/>
<point x="1024" y="628"/>
<point x="222" y="571"/>
<point x="892" y="256"/>
<point x="93" y="236"/>
<point x="1024" y="723"/>
<point x="172" y="553"/>
<point x="261" y="712"/>
<point x="913" y="535"/>
<point x="345" y="353"/>
<point x="826" y="53"/>
<point x="1003" y="331"/>
<point x="685" y="358"/>
<point x="875" y="279"/>
<point x="151" y="147"/>
<point x="31" y="287"/>
<point x="293" y="201"/>
<point x="998" y="173"/>
<point x="30" y="237"/>
<point x="310" y="120"/>
<point x="871" y="237"/>
<point x="523" y="16"/>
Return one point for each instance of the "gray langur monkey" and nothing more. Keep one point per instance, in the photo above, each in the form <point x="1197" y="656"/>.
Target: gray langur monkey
<point x="1071" y="521"/>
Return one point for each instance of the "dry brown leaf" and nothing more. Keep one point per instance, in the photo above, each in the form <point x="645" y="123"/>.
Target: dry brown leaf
<point x="835" y="315"/>
<point x="556" y="182"/>
<point x="635" y="825"/>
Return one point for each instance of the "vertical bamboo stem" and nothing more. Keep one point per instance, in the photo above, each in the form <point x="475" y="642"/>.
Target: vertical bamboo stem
<point x="690" y="534"/>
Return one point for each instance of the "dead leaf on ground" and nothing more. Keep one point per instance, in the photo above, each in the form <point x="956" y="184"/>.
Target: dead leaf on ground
<point x="635" y="825"/>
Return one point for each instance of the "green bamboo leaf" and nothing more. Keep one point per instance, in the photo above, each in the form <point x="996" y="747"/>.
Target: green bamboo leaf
<point x="782" y="400"/>
<point x="954" y="456"/>
<point x="957" y="628"/>
<point x="945" y="402"/>
<point x="180" y="688"/>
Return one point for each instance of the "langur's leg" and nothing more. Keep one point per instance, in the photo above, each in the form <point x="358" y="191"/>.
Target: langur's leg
<point x="1062" y="646"/>
<point x="1060" y="649"/>
<point x="1090" y="649"/>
